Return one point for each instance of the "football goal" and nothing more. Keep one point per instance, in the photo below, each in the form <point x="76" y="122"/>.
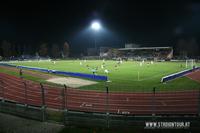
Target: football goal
<point x="190" y="63"/>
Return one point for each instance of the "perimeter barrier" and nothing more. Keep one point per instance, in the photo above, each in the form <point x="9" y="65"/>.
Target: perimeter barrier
<point x="74" y="74"/>
<point x="31" y="112"/>
<point x="178" y="75"/>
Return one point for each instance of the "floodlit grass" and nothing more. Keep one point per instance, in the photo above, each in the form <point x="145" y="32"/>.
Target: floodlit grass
<point x="128" y="76"/>
<point x="29" y="77"/>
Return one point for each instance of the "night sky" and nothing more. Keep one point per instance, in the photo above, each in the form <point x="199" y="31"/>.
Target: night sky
<point x="146" y="23"/>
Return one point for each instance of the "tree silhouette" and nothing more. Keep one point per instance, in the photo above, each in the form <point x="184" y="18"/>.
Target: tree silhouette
<point x="6" y="48"/>
<point x="66" y="50"/>
<point x="43" y="50"/>
<point x="55" y="51"/>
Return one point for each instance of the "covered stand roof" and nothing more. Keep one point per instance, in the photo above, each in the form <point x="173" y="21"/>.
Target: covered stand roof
<point x="145" y="48"/>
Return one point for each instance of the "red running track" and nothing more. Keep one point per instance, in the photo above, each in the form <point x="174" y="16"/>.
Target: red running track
<point x="194" y="76"/>
<point x="27" y="92"/>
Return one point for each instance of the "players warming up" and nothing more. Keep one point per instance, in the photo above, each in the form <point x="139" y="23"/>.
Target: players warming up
<point x="94" y="70"/>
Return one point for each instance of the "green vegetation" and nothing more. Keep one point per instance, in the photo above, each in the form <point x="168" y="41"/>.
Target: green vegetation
<point x="29" y="77"/>
<point x="128" y="76"/>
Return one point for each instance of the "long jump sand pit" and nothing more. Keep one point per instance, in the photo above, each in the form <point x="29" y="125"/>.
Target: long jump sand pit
<point x="71" y="82"/>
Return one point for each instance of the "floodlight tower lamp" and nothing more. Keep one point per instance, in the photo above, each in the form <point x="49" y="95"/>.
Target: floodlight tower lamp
<point x="96" y="26"/>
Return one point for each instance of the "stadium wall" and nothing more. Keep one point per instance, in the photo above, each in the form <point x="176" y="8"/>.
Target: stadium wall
<point x="31" y="112"/>
<point x="88" y="119"/>
<point x="178" y="75"/>
<point x="103" y="120"/>
<point x="74" y="74"/>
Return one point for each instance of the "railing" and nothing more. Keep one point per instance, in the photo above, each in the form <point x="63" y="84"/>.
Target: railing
<point x="127" y="103"/>
<point x="95" y="108"/>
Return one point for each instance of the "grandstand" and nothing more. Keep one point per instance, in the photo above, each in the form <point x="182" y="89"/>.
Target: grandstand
<point x="151" y="53"/>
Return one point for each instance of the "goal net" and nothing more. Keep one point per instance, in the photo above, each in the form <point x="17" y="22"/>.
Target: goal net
<point x="190" y="63"/>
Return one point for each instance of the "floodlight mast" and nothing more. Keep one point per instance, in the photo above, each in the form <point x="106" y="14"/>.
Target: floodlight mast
<point x="96" y="26"/>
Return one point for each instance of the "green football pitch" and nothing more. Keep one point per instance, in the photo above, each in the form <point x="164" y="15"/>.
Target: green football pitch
<point x="125" y="76"/>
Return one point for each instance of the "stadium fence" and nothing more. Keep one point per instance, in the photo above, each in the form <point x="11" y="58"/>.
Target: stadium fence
<point x="83" y="107"/>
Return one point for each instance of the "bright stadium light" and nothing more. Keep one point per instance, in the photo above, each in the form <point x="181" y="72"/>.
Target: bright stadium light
<point x="96" y="26"/>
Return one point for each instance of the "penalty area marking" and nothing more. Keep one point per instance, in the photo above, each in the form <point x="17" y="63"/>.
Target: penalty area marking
<point x="71" y="82"/>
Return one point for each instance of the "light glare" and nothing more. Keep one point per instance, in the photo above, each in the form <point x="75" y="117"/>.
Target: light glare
<point x="96" y="25"/>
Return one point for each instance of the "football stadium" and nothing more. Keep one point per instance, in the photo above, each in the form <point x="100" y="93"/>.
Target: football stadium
<point x="101" y="93"/>
<point x="99" y="66"/>
<point x="125" y="76"/>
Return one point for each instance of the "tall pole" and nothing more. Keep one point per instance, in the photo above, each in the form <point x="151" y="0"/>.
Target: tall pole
<point x="43" y="95"/>
<point x="107" y="104"/>
<point x="2" y="91"/>
<point x="95" y="41"/>
<point x="64" y="97"/>
<point x="153" y="101"/>
<point x="199" y="103"/>
<point x="25" y="92"/>
<point x="96" y="26"/>
<point x="43" y="103"/>
<point x="107" y="93"/>
<point x="64" y="104"/>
